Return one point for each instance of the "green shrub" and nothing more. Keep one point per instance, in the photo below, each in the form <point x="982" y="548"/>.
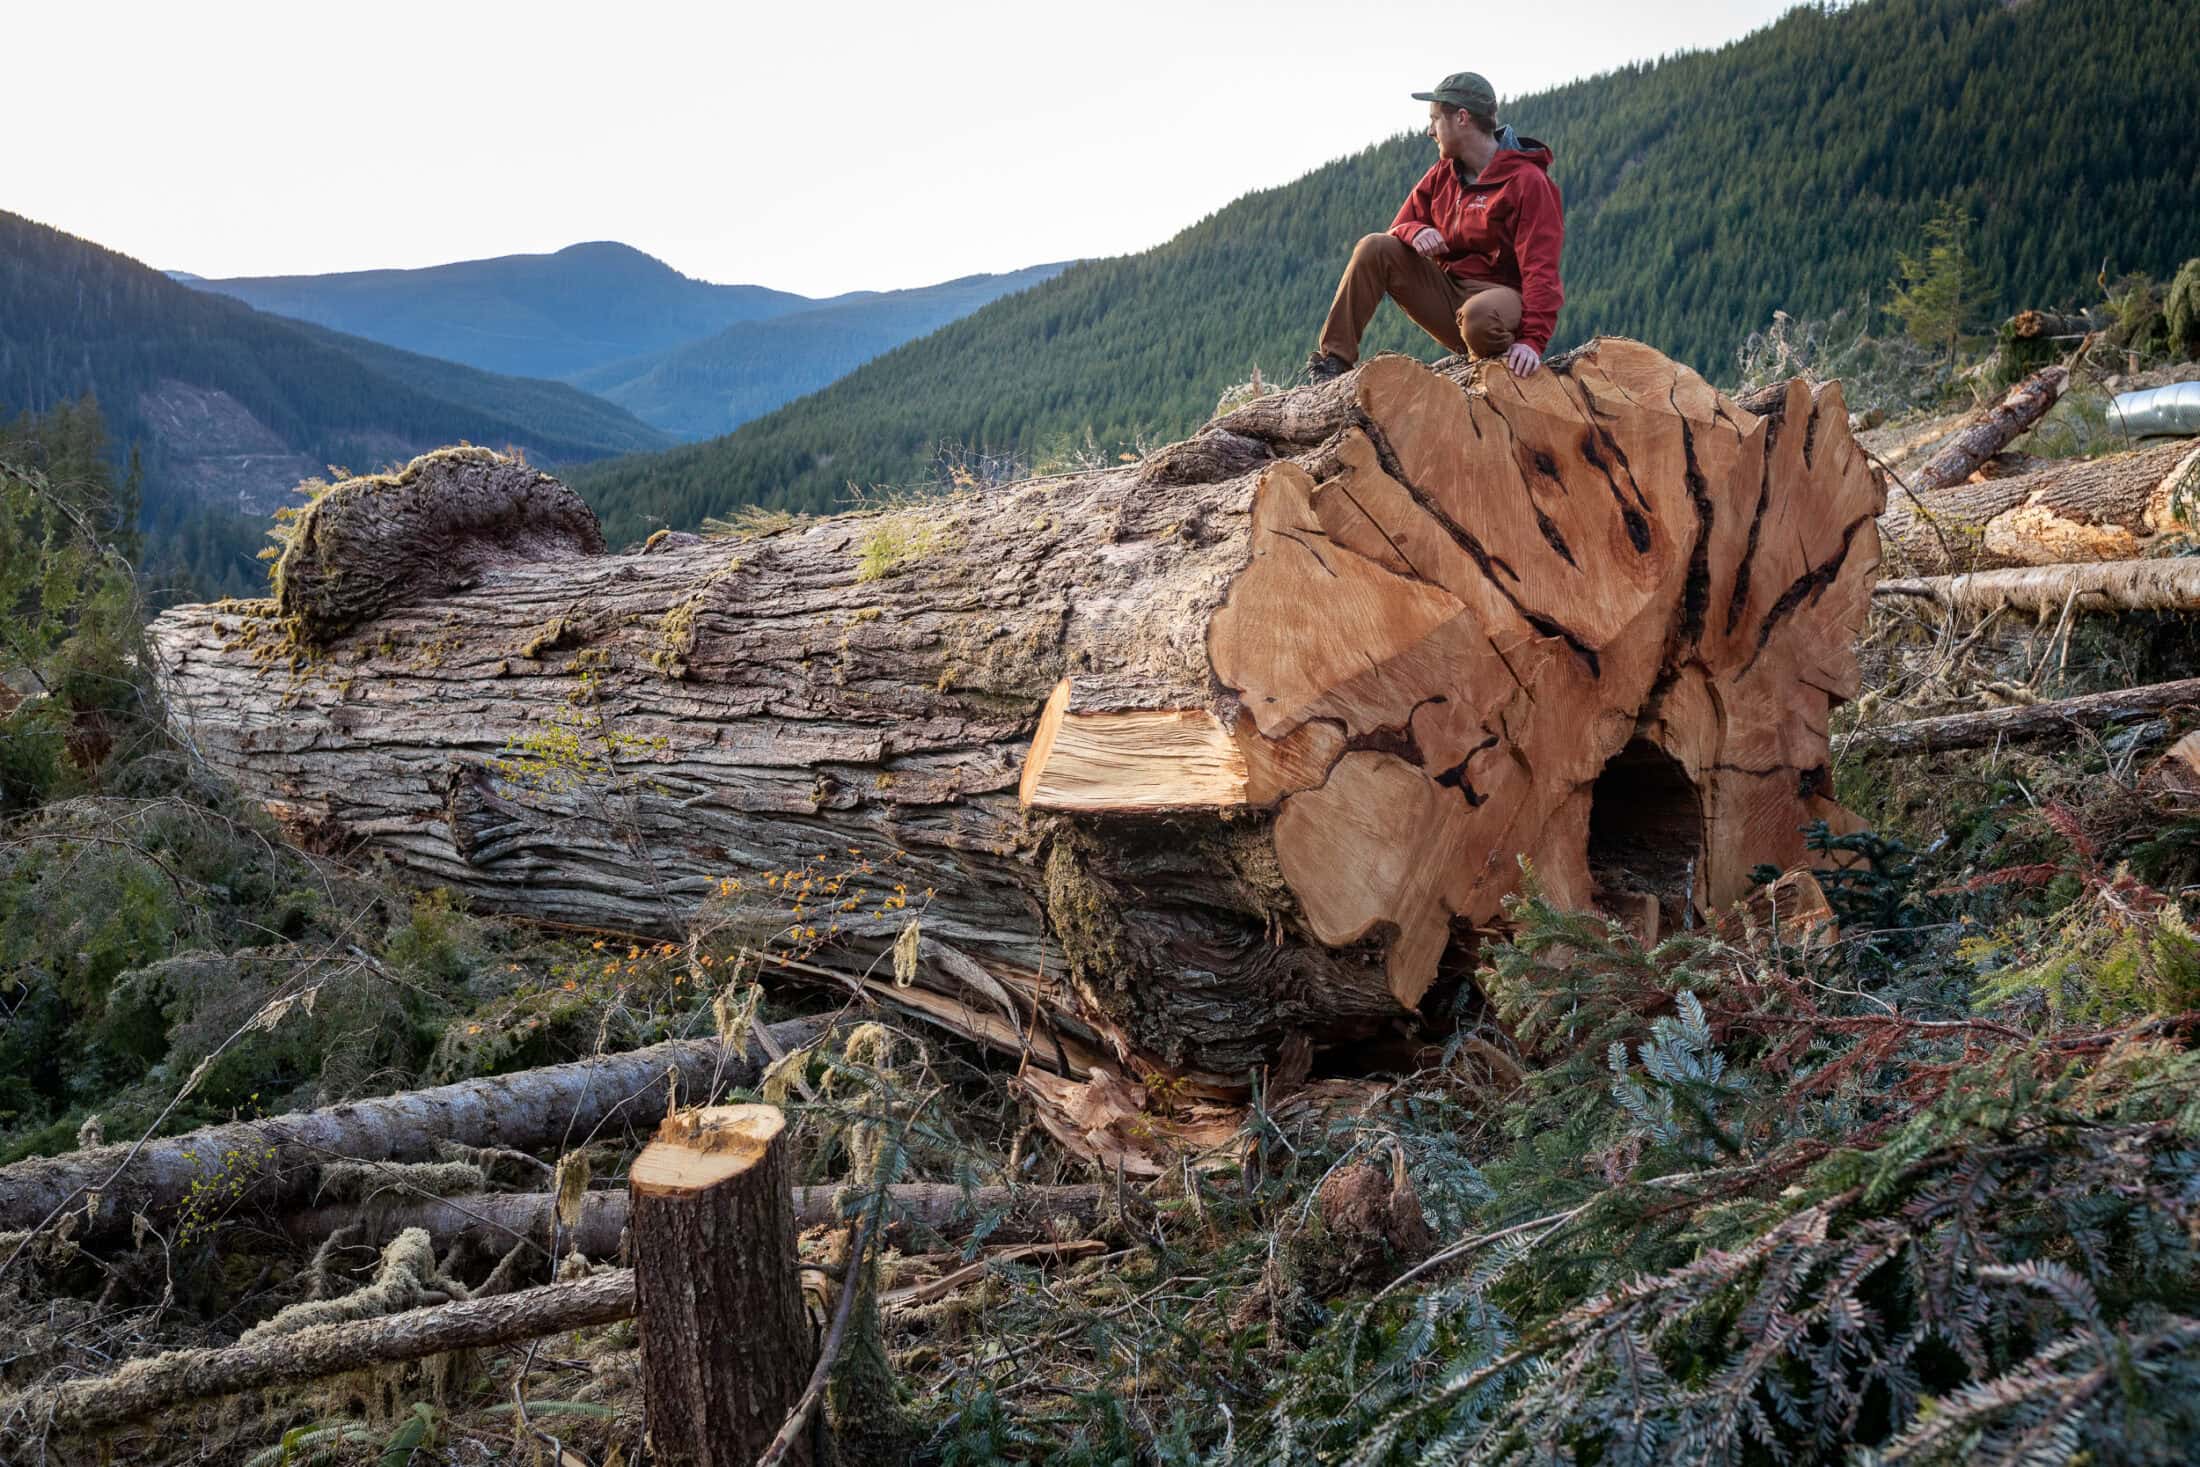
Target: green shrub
<point x="2181" y="312"/>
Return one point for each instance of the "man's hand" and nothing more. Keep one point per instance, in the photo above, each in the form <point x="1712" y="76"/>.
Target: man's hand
<point x="1428" y="241"/>
<point x="1524" y="360"/>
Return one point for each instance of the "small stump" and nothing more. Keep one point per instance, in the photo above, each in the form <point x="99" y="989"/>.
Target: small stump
<point x="726" y="1345"/>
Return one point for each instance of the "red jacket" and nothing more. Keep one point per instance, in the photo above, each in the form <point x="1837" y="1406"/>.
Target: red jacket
<point x="1507" y="226"/>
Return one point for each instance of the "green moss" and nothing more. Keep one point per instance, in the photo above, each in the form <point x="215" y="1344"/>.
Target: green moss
<point x="1083" y="911"/>
<point x="676" y="638"/>
<point x="894" y="543"/>
<point x="549" y="637"/>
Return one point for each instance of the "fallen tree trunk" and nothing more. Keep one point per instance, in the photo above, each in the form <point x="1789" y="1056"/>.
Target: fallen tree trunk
<point x="1182" y="769"/>
<point x="498" y="1220"/>
<point x="2023" y="722"/>
<point x="2043" y="590"/>
<point x="274" y="1162"/>
<point x="1992" y="430"/>
<point x="2068" y="510"/>
<point x="180" y="1376"/>
<point x="2033" y="325"/>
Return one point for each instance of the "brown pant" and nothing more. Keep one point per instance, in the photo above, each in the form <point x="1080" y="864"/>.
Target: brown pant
<point x="1473" y="316"/>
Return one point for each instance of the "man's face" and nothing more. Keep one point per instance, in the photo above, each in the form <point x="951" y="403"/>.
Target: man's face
<point x="1449" y="128"/>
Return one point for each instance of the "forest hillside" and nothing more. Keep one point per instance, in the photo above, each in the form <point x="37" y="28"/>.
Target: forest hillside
<point x="1786" y="171"/>
<point x="700" y="389"/>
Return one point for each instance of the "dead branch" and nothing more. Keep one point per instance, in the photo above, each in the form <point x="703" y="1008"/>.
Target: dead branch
<point x="1993" y="430"/>
<point x="2043" y="590"/>
<point x="180" y="1376"/>
<point x="2020" y="724"/>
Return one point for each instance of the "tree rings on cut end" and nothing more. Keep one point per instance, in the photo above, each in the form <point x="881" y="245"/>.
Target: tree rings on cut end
<point x="695" y="1150"/>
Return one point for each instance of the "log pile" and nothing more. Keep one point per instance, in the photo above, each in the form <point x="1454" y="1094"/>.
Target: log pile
<point x="1185" y="765"/>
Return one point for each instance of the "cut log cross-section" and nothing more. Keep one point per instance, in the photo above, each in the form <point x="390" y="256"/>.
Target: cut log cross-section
<point x="726" y="1346"/>
<point x="1192" y="761"/>
<point x="1597" y="626"/>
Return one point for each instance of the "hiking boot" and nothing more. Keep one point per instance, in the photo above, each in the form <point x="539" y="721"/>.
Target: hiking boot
<point x="1324" y="367"/>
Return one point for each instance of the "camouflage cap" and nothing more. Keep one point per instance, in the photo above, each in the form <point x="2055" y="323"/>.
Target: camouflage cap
<point x="1468" y="89"/>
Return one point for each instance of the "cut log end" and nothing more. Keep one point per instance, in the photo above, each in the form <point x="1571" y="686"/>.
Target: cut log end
<point x="1135" y="761"/>
<point x="698" y="1149"/>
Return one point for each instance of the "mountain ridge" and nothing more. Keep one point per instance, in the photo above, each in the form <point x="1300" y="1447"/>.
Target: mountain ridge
<point x="537" y="315"/>
<point x="710" y="386"/>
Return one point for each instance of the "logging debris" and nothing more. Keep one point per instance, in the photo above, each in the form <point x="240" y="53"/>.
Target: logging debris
<point x="276" y="1161"/>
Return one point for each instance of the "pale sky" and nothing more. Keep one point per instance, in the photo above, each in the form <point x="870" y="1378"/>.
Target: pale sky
<point x="815" y="147"/>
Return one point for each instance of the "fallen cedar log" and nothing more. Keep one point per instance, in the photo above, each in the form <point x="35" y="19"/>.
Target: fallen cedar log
<point x="498" y="1220"/>
<point x="181" y="1376"/>
<point x="2042" y="591"/>
<point x="1186" y="769"/>
<point x="2021" y="723"/>
<point x="2064" y="511"/>
<point x="274" y="1162"/>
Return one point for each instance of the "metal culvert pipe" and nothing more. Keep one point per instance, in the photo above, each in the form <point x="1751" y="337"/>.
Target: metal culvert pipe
<point x="2172" y="411"/>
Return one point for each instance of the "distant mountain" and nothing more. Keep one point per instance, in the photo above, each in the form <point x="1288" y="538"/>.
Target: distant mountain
<point x="712" y="386"/>
<point x="525" y="315"/>
<point x="1785" y="170"/>
<point x="228" y="408"/>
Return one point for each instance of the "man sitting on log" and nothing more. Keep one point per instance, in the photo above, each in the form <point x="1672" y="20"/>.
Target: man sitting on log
<point x="1473" y="255"/>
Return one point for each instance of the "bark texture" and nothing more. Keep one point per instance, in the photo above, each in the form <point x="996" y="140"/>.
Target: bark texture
<point x="726" y="1344"/>
<point x="1178" y="767"/>
<point x="2111" y="508"/>
<point x="180" y="1376"/>
<point x="275" y="1162"/>
<point x="916" y="1211"/>
<point x="2025" y="722"/>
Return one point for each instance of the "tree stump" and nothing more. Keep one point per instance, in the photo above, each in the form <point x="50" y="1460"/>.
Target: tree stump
<point x="726" y="1344"/>
<point x="1186" y="764"/>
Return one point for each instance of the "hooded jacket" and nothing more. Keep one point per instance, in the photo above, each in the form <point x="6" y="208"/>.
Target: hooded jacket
<point x="1505" y="227"/>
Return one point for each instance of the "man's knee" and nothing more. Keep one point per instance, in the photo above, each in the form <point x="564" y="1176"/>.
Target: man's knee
<point x="1380" y="252"/>
<point x="1490" y="320"/>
